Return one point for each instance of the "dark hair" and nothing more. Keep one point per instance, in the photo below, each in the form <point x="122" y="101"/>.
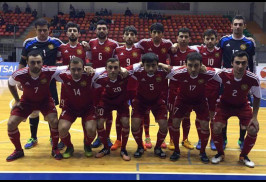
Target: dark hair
<point x="184" y="30"/>
<point x="239" y="17"/>
<point x="210" y="32"/>
<point x="41" y="22"/>
<point x="72" y="24"/>
<point x="101" y="22"/>
<point x="76" y="60"/>
<point x="157" y="27"/>
<point x="35" y="53"/>
<point x="193" y="56"/>
<point x="112" y="60"/>
<point x="149" y="57"/>
<point x="239" y="54"/>
<point x="130" y="28"/>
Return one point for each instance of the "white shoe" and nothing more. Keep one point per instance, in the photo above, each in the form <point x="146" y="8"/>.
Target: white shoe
<point x="245" y="160"/>
<point x="217" y="159"/>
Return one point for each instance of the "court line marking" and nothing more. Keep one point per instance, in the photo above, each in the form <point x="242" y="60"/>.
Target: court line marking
<point x="3" y="121"/>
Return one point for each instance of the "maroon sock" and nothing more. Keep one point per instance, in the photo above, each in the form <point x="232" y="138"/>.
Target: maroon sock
<point x="125" y="134"/>
<point x="84" y="130"/>
<point x="118" y="128"/>
<point x="160" y="138"/>
<point x="176" y="135"/>
<point x="109" y="125"/>
<point x="186" y="128"/>
<point x="249" y="142"/>
<point x="138" y="137"/>
<point x="170" y="124"/>
<point x="14" y="136"/>
<point x="103" y="138"/>
<point x="218" y="142"/>
<point x="211" y="126"/>
<point x="55" y="137"/>
<point x="198" y="127"/>
<point x="205" y="134"/>
<point x="67" y="140"/>
<point x="147" y="124"/>
<point x="89" y="140"/>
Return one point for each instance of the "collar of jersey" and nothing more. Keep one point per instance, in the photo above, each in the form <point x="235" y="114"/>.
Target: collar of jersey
<point x="238" y="39"/>
<point x="42" y="41"/>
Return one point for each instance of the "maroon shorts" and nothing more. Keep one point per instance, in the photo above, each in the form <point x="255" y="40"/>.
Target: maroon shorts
<point x="182" y="109"/>
<point x="70" y="115"/>
<point x="131" y="94"/>
<point x="45" y="108"/>
<point x="212" y="96"/>
<point x="158" y="109"/>
<point x="224" y="112"/>
<point x="105" y="110"/>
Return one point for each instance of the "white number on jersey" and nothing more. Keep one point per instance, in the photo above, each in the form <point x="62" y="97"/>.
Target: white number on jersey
<point x="36" y="89"/>
<point x="128" y="62"/>
<point x="210" y="61"/>
<point x="100" y="56"/>
<point x="77" y="92"/>
<point x="192" y="87"/>
<point x="151" y="87"/>
<point x="234" y="93"/>
<point x="118" y="89"/>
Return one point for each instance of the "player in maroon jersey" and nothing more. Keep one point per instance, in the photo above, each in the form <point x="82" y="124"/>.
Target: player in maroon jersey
<point x="178" y="58"/>
<point x="237" y="83"/>
<point x="127" y="55"/>
<point x="191" y="95"/>
<point x="78" y="103"/>
<point x="100" y="50"/>
<point x="161" y="47"/>
<point x="149" y="97"/>
<point x="35" y="80"/>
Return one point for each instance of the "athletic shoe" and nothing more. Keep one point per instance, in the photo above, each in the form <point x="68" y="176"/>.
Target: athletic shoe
<point x="139" y="152"/>
<point x="225" y="143"/>
<point x="31" y="143"/>
<point x="116" y="145"/>
<point x="15" y="155"/>
<point x="198" y="147"/>
<point x="60" y="145"/>
<point x="240" y="144"/>
<point x="87" y="149"/>
<point x="245" y="160"/>
<point x="204" y="158"/>
<point x="124" y="155"/>
<point x="171" y="145"/>
<point x="68" y="153"/>
<point x="97" y="143"/>
<point x="213" y="147"/>
<point x="148" y="142"/>
<point x="110" y="144"/>
<point x="144" y="146"/>
<point x="164" y="146"/>
<point x="159" y="153"/>
<point x="217" y="158"/>
<point x="102" y="153"/>
<point x="187" y="144"/>
<point x="175" y="156"/>
<point x="56" y="154"/>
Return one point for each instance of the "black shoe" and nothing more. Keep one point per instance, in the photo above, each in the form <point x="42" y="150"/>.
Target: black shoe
<point x="175" y="156"/>
<point x="56" y="154"/>
<point x="139" y="152"/>
<point x="204" y="158"/>
<point x="103" y="153"/>
<point x="158" y="152"/>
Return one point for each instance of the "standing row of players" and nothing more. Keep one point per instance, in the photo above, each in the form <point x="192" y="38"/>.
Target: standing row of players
<point x="130" y="51"/>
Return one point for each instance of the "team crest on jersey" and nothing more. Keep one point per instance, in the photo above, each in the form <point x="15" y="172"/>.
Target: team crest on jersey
<point x="201" y="81"/>
<point x="134" y="54"/>
<point x="243" y="47"/>
<point x="163" y="50"/>
<point x="158" y="78"/>
<point x="107" y="49"/>
<point x="51" y="46"/>
<point x="244" y="87"/>
<point x="44" y="81"/>
<point x="217" y="54"/>
<point x="79" y="51"/>
<point x="83" y="83"/>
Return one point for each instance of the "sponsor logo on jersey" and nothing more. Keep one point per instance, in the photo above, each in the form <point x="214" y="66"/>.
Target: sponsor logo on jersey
<point x="201" y="81"/>
<point x="51" y="46"/>
<point x="244" y="87"/>
<point x="217" y="54"/>
<point x="27" y="83"/>
<point x="94" y="48"/>
<point x="79" y="51"/>
<point x="227" y="45"/>
<point x="228" y="82"/>
<point x="69" y="83"/>
<point x="83" y="83"/>
<point x="204" y="54"/>
<point x="44" y="81"/>
<point x="122" y="54"/>
<point x="243" y="47"/>
<point x="66" y="51"/>
<point x="107" y="49"/>
<point x="185" y="81"/>
<point x="34" y="47"/>
<point x="143" y="80"/>
<point x="149" y="49"/>
<point x="163" y="50"/>
<point x="158" y="78"/>
<point x="107" y="86"/>
<point x="135" y="54"/>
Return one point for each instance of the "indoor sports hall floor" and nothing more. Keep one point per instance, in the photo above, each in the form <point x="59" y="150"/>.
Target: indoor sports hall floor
<point x="38" y="163"/>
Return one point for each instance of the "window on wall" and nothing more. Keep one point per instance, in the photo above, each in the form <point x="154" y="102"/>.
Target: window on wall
<point x="168" y="6"/>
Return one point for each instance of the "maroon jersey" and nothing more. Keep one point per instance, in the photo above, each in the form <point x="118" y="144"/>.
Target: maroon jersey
<point x="162" y="51"/>
<point x="150" y="87"/>
<point x="114" y="92"/>
<point x="77" y="94"/>
<point x="191" y="90"/>
<point x="129" y="57"/>
<point x="236" y="91"/>
<point x="36" y="91"/>
<point x="66" y="52"/>
<point x="179" y="58"/>
<point x="100" y="53"/>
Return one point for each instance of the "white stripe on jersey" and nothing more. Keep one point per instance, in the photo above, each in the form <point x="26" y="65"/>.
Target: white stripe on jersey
<point x="24" y="43"/>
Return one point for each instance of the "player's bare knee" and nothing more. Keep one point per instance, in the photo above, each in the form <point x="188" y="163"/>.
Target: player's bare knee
<point x="125" y="122"/>
<point x="252" y="130"/>
<point x="35" y="114"/>
<point x="204" y="125"/>
<point x="217" y="129"/>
